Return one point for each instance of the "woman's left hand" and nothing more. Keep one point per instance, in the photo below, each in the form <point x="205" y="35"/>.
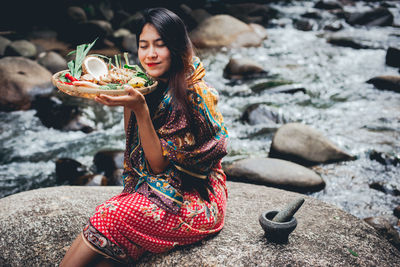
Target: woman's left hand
<point x="134" y="100"/>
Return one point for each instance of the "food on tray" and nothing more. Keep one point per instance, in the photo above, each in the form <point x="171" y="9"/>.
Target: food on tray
<point x="137" y="82"/>
<point x="101" y="73"/>
<point x="94" y="67"/>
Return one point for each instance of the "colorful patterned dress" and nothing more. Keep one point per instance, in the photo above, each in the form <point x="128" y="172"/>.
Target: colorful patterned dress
<point x="154" y="212"/>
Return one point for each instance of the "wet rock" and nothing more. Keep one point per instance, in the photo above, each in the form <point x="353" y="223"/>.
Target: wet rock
<point x="132" y="21"/>
<point x="304" y="145"/>
<point x="396" y="212"/>
<point x="312" y="15"/>
<point x="327" y="5"/>
<point x="275" y="173"/>
<point x="199" y="15"/>
<point x="105" y="11"/>
<point x="111" y="163"/>
<point x="393" y="57"/>
<point x="242" y="68"/>
<point x="129" y="44"/>
<point x="261" y="113"/>
<point x="74" y="173"/>
<point x="287" y="89"/>
<point x="76" y="15"/>
<point x="346" y="42"/>
<point x="377" y="186"/>
<point x="388" y="82"/>
<point x="224" y="30"/>
<point x="384" y="158"/>
<point x="334" y="26"/>
<point x="375" y="17"/>
<point x="21" y="79"/>
<point x="388" y="5"/>
<point x="87" y="32"/>
<point x="387" y="189"/>
<point x="53" y="113"/>
<point x="52" y="44"/>
<point x="53" y="217"/>
<point x="52" y="61"/>
<point x="185" y="13"/>
<point x="251" y="12"/>
<point x="125" y="40"/>
<point x="385" y="229"/>
<point x="267" y="85"/>
<point x="4" y="42"/>
<point x="259" y="30"/>
<point x="76" y="124"/>
<point x="121" y="32"/>
<point x="70" y="170"/>
<point x="21" y="48"/>
<point x="91" y="180"/>
<point x="42" y="34"/>
<point x="303" y="25"/>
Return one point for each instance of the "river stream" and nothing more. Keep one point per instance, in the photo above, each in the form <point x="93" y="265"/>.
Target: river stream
<point x="338" y="102"/>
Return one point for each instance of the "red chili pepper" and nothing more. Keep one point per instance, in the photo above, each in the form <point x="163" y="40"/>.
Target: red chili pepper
<point x="65" y="82"/>
<point x="70" y="77"/>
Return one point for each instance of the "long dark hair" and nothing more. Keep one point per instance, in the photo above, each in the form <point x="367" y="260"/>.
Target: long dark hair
<point x="173" y="32"/>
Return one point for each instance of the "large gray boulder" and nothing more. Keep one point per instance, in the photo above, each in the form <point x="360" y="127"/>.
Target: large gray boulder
<point x="20" y="80"/>
<point x="374" y="17"/>
<point x="276" y="173"/>
<point x="76" y="15"/>
<point x="305" y="145"/>
<point x="392" y="56"/>
<point x="38" y="226"/>
<point x="52" y="61"/>
<point x="4" y="42"/>
<point x="224" y="30"/>
<point x="21" y="48"/>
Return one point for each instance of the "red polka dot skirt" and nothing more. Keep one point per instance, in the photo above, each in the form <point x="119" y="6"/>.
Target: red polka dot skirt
<point x="128" y="224"/>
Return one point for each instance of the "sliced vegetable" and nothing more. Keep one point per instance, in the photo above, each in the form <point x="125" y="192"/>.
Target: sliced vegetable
<point x="85" y="84"/>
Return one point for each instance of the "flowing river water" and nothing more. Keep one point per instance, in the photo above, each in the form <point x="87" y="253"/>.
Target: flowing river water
<point x="353" y="114"/>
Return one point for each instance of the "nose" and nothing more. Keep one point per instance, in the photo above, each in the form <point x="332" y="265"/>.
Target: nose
<point x="152" y="52"/>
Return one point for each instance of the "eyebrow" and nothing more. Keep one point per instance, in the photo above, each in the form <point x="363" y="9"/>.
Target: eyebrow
<point x="145" y="41"/>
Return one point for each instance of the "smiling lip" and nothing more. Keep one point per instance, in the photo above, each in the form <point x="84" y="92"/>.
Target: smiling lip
<point x="152" y="64"/>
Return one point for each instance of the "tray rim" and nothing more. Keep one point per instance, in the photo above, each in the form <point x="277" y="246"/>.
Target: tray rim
<point x="86" y="92"/>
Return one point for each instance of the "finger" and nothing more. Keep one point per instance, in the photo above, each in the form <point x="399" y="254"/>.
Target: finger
<point x="132" y="91"/>
<point x="109" y="101"/>
<point x="127" y="86"/>
<point x="101" y="101"/>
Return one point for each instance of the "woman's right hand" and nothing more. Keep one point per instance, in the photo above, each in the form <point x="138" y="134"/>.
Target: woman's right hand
<point x="134" y="100"/>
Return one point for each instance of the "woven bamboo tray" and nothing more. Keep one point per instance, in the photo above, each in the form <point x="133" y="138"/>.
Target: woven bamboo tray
<point x="85" y="92"/>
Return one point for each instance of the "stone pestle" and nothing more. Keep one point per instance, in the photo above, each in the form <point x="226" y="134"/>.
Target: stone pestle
<point x="287" y="213"/>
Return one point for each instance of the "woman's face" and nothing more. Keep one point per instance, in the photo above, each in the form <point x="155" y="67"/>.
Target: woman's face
<point x="153" y="54"/>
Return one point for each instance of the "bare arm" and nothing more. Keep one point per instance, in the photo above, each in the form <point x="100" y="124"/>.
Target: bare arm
<point x="127" y="115"/>
<point x="148" y="137"/>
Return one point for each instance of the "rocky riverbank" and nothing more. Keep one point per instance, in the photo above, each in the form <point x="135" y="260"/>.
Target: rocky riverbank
<point x="38" y="226"/>
<point x="295" y="118"/>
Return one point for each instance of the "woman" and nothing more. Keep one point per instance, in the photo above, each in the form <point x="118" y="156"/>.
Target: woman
<point x="174" y="187"/>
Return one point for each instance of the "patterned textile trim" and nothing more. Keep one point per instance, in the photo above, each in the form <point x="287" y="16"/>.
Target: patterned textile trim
<point x="161" y="200"/>
<point x="104" y="245"/>
<point x="191" y="173"/>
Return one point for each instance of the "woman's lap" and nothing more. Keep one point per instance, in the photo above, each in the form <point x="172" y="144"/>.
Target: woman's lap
<point x="135" y="224"/>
